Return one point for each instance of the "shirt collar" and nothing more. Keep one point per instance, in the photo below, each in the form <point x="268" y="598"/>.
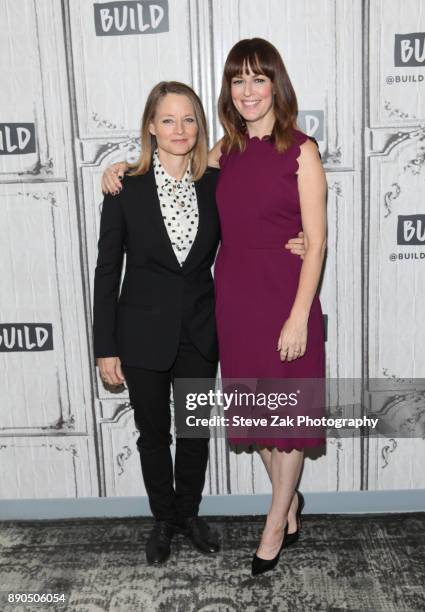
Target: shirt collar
<point x="162" y="178"/>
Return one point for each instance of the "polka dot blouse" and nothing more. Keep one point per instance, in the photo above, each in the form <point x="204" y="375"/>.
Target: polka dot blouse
<point x="179" y="208"/>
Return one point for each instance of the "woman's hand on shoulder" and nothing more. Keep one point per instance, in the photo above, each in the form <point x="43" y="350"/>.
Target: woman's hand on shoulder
<point x="112" y="177"/>
<point x="215" y="154"/>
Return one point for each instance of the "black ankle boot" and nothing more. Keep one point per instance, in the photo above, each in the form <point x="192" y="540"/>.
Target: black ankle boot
<point x="158" y="545"/>
<point x="203" y="538"/>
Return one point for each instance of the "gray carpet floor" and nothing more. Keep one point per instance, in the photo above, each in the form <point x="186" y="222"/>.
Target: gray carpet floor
<point x="374" y="563"/>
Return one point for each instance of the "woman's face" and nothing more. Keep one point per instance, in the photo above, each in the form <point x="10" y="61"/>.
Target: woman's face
<point x="174" y="125"/>
<point x="252" y="95"/>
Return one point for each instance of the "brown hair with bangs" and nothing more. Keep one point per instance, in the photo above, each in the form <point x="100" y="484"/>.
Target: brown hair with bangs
<point x="199" y="156"/>
<point x="261" y="57"/>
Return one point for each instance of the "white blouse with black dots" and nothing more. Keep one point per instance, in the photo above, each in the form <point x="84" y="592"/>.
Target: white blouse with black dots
<point x="179" y="208"/>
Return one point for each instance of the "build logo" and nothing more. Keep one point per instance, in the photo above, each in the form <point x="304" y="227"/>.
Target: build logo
<point x="409" y="50"/>
<point x="312" y="123"/>
<point x="26" y="337"/>
<point x="411" y="229"/>
<point x="17" y="138"/>
<point x="124" y="18"/>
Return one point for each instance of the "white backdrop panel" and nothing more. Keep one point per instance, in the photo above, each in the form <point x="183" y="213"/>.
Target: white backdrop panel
<point x="40" y="284"/>
<point x="396" y="271"/>
<point x="48" y="467"/>
<point x="34" y="88"/>
<point x="114" y="74"/>
<point x="320" y="44"/>
<point x="397" y="78"/>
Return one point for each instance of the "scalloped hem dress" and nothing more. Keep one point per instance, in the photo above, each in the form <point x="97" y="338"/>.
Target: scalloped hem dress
<point x="256" y="278"/>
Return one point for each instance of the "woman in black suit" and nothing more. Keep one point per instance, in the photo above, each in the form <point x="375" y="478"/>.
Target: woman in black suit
<point x="161" y="326"/>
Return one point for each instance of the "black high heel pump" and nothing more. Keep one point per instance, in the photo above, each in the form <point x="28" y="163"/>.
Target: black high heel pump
<point x="259" y="565"/>
<point x="291" y="538"/>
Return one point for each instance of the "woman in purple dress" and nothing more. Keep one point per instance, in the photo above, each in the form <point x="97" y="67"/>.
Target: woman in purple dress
<point x="269" y="319"/>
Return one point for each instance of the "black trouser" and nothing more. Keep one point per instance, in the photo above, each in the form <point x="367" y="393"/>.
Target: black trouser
<point x="150" y="397"/>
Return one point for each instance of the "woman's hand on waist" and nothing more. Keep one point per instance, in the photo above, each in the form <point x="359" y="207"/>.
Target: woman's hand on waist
<point x="297" y="245"/>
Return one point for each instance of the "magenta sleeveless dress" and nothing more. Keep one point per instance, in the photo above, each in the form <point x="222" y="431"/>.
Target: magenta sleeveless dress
<point x="256" y="278"/>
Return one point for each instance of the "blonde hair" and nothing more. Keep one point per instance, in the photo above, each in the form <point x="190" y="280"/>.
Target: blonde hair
<point x="199" y="157"/>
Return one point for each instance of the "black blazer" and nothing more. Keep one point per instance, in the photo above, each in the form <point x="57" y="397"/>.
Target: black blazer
<point x="142" y="325"/>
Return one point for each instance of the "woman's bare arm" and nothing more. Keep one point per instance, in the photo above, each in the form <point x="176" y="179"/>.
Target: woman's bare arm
<point x="312" y="189"/>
